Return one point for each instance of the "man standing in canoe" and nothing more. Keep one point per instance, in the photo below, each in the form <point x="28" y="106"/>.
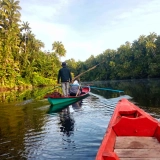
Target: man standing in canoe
<point x="64" y="75"/>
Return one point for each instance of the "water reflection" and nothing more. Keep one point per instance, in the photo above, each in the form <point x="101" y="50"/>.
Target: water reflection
<point x="23" y="96"/>
<point x="77" y="105"/>
<point x="66" y="121"/>
<point x="28" y="132"/>
<point x="66" y="118"/>
<point x="145" y="92"/>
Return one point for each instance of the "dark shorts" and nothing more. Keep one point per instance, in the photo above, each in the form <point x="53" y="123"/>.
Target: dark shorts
<point x="72" y="94"/>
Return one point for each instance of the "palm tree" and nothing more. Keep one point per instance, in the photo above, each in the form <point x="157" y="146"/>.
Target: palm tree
<point x="10" y="9"/>
<point x="59" y="49"/>
<point x="26" y="28"/>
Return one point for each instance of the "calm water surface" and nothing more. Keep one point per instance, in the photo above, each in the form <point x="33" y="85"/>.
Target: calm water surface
<point x="30" y="130"/>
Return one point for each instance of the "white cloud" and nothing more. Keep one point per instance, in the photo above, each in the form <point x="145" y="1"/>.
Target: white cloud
<point x="90" y="30"/>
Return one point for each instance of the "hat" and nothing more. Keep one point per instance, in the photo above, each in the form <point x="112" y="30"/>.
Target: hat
<point x="63" y="63"/>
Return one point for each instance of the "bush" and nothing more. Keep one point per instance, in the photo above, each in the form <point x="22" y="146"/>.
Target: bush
<point x="38" y="80"/>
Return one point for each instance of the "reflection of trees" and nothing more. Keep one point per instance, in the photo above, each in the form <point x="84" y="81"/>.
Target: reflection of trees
<point x="15" y="96"/>
<point x="67" y="122"/>
<point x="145" y="91"/>
<point x="19" y="127"/>
<point x="107" y="94"/>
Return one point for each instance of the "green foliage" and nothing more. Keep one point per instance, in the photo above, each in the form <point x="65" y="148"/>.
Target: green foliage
<point x="22" y="63"/>
<point x="38" y="80"/>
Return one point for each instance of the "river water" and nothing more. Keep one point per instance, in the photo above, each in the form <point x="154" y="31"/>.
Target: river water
<point x="30" y="130"/>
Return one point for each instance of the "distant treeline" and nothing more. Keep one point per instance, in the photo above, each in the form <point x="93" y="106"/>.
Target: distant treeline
<point x="23" y="63"/>
<point x="136" y="60"/>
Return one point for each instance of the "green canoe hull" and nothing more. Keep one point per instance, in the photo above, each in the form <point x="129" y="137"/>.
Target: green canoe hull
<point x="62" y="102"/>
<point x="60" y="106"/>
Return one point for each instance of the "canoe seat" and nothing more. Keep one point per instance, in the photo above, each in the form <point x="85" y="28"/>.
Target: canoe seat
<point x="131" y="114"/>
<point x="137" y="126"/>
<point x="133" y="121"/>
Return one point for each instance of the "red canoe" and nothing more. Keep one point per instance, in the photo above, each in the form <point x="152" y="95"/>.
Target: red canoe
<point x="132" y="134"/>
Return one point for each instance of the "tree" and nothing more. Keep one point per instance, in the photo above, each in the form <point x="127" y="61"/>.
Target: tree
<point x="26" y="28"/>
<point x="59" y="49"/>
<point x="9" y="18"/>
<point x="150" y="43"/>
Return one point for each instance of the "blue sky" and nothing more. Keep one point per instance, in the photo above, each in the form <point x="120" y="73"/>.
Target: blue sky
<point x="89" y="27"/>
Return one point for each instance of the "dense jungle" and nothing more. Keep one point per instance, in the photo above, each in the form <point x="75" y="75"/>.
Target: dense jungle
<point x="24" y="64"/>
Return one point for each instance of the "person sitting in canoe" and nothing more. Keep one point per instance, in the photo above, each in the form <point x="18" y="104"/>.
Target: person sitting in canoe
<point x="75" y="88"/>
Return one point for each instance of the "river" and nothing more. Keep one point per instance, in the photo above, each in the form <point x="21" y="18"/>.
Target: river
<point x="30" y="131"/>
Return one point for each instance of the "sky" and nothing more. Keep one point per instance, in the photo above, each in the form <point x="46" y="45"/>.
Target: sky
<point x="89" y="27"/>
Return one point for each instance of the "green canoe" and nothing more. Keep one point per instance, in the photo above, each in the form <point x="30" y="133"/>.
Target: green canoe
<point x="58" y="101"/>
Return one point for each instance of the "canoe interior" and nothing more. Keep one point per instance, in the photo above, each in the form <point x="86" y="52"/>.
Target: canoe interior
<point x="57" y="95"/>
<point x="131" y="133"/>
